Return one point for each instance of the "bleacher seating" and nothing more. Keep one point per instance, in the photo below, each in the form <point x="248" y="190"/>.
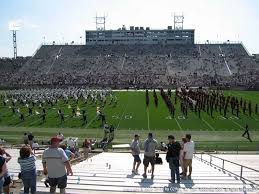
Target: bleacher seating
<point x="122" y="66"/>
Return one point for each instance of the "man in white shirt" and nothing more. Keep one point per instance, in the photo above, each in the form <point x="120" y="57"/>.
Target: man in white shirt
<point x="57" y="166"/>
<point x="188" y="151"/>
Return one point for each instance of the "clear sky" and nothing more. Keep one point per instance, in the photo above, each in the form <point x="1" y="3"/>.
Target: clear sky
<point x="66" y="20"/>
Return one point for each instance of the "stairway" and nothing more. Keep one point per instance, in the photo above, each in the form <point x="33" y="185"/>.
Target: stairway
<point x="111" y="172"/>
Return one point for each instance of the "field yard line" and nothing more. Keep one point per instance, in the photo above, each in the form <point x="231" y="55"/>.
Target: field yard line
<point x="148" y="119"/>
<point x="123" y="113"/>
<point x="208" y="124"/>
<point x="178" y="124"/>
<point x="238" y="124"/>
<point x="91" y="121"/>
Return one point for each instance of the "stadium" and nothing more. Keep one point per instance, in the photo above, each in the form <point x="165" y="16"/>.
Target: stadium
<point x="125" y="83"/>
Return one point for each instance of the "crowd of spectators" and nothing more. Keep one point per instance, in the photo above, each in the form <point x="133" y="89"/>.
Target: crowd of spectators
<point x="136" y="66"/>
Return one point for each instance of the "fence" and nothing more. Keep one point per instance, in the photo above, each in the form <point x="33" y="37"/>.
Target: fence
<point x="242" y="172"/>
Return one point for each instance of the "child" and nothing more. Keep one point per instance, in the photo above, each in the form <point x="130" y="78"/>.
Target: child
<point x="28" y="169"/>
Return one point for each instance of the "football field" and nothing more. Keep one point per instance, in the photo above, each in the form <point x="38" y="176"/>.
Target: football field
<point x="129" y="115"/>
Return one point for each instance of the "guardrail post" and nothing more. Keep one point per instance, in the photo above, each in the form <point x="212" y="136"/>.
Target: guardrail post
<point x="201" y="156"/>
<point x="241" y="172"/>
<point x="223" y="164"/>
<point x="210" y="159"/>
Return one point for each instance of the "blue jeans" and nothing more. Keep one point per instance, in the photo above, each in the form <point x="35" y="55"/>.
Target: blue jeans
<point x="174" y="166"/>
<point x="1" y="184"/>
<point x="29" y="179"/>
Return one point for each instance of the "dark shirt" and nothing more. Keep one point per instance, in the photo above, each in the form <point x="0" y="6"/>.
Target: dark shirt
<point x="173" y="150"/>
<point x="2" y="161"/>
<point x="30" y="137"/>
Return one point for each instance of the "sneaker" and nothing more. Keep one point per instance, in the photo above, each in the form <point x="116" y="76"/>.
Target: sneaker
<point x="171" y="181"/>
<point x="152" y="176"/>
<point x="136" y="172"/>
<point x="189" y="177"/>
<point x="144" y="176"/>
<point x="133" y="171"/>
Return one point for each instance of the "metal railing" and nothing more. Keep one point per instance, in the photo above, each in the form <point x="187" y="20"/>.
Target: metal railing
<point x="240" y="175"/>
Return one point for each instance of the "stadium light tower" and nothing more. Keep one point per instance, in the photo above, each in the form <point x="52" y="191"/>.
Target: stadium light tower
<point x="100" y="22"/>
<point x="178" y="22"/>
<point x="14" y="27"/>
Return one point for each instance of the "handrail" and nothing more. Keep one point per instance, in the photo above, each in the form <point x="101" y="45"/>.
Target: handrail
<point x="240" y="175"/>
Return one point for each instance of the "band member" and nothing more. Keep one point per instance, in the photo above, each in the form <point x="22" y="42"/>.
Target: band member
<point x="247" y="133"/>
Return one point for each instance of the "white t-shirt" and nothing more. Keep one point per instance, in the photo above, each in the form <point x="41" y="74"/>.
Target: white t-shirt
<point x="70" y="143"/>
<point x="54" y="159"/>
<point x="189" y="149"/>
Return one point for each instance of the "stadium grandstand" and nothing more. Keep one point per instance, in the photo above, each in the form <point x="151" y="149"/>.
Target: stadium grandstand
<point x="134" y="66"/>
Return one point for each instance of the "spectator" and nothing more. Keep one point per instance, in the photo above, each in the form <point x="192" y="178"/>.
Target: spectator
<point x="69" y="154"/>
<point x="172" y="157"/>
<point x="60" y="136"/>
<point x="35" y="146"/>
<point x="181" y="154"/>
<point x="55" y="163"/>
<point x="25" y="138"/>
<point x="135" y="150"/>
<point x="86" y="147"/>
<point x="150" y="146"/>
<point x="188" y="151"/>
<point x="3" y="170"/>
<point x="71" y="144"/>
<point x="28" y="169"/>
<point x="7" y="177"/>
<point x="30" y="139"/>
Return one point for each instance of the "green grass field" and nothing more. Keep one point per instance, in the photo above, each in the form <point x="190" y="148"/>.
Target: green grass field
<point x="130" y="115"/>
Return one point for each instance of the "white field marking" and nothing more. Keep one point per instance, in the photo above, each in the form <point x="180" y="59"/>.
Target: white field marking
<point x="123" y="113"/>
<point x="208" y="124"/>
<point x="237" y="124"/>
<point x="127" y="117"/>
<point x="36" y="121"/>
<point x="181" y="117"/>
<point x="115" y="116"/>
<point x="91" y="121"/>
<point x="178" y="124"/>
<point x="233" y="118"/>
<point x="148" y="119"/>
<point x="221" y="118"/>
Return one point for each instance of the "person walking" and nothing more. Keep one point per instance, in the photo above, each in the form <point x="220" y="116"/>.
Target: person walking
<point x="135" y="151"/>
<point x="55" y="163"/>
<point x="3" y="170"/>
<point x="28" y="169"/>
<point x="246" y="134"/>
<point x="172" y="157"/>
<point x="181" y="154"/>
<point x="150" y="146"/>
<point x="188" y="151"/>
<point x="7" y="177"/>
<point x="86" y="147"/>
